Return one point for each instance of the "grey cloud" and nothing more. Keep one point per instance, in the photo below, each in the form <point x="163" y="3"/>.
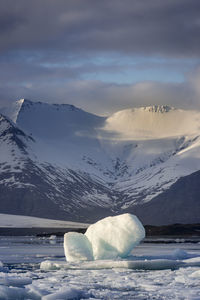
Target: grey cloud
<point x="104" y="98"/>
<point x="48" y="47"/>
<point x="29" y="68"/>
<point x="146" y="27"/>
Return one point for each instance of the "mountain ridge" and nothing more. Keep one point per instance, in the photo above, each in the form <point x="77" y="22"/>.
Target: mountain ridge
<point x="82" y="169"/>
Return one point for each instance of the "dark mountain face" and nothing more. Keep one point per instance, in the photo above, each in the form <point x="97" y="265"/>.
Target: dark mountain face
<point x="11" y="134"/>
<point x="178" y="204"/>
<point x="60" y="162"/>
<point x="41" y="189"/>
<point x="36" y="195"/>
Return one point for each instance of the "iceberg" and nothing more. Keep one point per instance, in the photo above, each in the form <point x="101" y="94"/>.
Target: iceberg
<point x="108" y="238"/>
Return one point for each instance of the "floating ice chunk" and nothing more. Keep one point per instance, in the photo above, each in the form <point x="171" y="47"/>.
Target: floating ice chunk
<point x="195" y="274"/>
<point x="2" y="268"/>
<point x="13" y="293"/>
<point x="154" y="264"/>
<point x="151" y="264"/>
<point x="48" y="265"/>
<point x="115" y="236"/>
<point x="193" y="262"/>
<point x="65" y="293"/>
<point x="14" y="281"/>
<point x="109" y="238"/>
<point x="77" y="247"/>
<point x="52" y="239"/>
<point x="180" y="254"/>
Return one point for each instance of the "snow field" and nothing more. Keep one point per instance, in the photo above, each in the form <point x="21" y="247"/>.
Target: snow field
<point x="18" y="221"/>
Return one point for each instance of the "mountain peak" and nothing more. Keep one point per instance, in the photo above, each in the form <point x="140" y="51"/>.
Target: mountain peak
<point x="24" y="101"/>
<point x="158" y="108"/>
<point x="49" y="120"/>
<point x="23" y="105"/>
<point x="27" y="104"/>
<point x="157" y="121"/>
<point x="10" y="132"/>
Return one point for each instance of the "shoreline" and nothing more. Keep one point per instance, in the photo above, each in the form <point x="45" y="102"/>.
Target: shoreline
<point x="155" y="232"/>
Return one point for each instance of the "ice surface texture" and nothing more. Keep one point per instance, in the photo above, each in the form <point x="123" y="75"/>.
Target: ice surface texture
<point x="156" y="271"/>
<point x="108" y="238"/>
<point x="77" y="247"/>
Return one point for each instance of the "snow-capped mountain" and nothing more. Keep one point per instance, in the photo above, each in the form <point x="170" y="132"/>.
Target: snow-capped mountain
<point x="61" y="162"/>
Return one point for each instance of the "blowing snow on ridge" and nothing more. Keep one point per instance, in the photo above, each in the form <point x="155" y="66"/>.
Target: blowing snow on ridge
<point x="58" y="161"/>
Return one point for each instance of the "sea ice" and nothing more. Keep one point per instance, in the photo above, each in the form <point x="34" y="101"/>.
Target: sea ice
<point x="77" y="247"/>
<point x="152" y="264"/>
<point x="154" y="272"/>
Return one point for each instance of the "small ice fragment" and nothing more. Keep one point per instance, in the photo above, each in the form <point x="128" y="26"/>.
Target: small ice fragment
<point x="13" y="293"/>
<point x="48" y="265"/>
<point x="193" y="262"/>
<point x="195" y="274"/>
<point x="77" y="247"/>
<point x="65" y="293"/>
<point x="115" y="236"/>
<point x="14" y="281"/>
<point x="2" y="268"/>
<point x="180" y="254"/>
<point x="52" y="239"/>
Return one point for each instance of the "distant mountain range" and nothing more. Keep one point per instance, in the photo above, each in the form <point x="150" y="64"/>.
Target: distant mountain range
<point x="60" y="162"/>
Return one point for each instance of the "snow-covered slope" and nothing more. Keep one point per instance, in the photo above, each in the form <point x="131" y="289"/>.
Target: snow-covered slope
<point x="14" y="155"/>
<point x="154" y="122"/>
<point x="83" y="166"/>
<point x="13" y="110"/>
<point x="55" y="121"/>
<point x="17" y="221"/>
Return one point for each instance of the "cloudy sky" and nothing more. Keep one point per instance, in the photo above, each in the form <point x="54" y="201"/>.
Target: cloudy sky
<point x="101" y="55"/>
